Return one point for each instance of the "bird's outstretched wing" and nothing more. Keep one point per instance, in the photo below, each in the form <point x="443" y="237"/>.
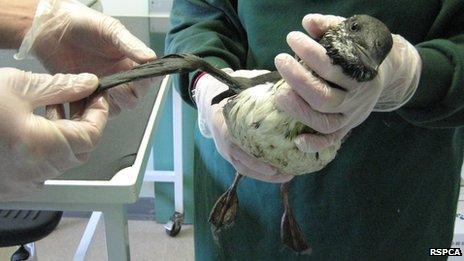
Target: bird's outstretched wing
<point x="182" y="63"/>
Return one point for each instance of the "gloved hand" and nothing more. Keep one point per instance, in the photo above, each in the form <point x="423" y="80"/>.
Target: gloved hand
<point x="33" y="148"/>
<point x="331" y="111"/>
<point x="212" y="125"/>
<point x="69" y="37"/>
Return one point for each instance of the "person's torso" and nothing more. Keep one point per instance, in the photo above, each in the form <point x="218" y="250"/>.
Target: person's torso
<point x="392" y="189"/>
<point x="268" y="22"/>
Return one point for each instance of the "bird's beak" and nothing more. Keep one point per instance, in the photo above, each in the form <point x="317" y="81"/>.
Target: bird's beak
<point x="367" y="58"/>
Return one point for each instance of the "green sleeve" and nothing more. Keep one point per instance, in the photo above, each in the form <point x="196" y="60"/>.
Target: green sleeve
<point x="210" y="29"/>
<point x="439" y="99"/>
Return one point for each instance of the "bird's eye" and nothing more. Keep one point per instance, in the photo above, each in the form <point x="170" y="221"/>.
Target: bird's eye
<point x="354" y="27"/>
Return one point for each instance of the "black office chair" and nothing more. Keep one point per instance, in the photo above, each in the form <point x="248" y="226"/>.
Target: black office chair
<point x="24" y="227"/>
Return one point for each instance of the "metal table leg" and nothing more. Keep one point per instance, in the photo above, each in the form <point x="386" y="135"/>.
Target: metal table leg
<point x="87" y="237"/>
<point x="117" y="234"/>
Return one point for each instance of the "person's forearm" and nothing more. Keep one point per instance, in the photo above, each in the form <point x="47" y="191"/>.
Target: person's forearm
<point x="15" y="20"/>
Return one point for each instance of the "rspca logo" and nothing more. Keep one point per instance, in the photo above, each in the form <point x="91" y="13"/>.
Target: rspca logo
<point x="445" y="252"/>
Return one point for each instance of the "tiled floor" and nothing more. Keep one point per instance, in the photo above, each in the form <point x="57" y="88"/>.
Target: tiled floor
<point x="147" y="238"/>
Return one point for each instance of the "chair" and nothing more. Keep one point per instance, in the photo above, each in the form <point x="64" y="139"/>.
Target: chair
<point x="23" y="228"/>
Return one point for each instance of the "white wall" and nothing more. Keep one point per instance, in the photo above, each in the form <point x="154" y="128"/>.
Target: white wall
<point x="126" y="7"/>
<point x="154" y="8"/>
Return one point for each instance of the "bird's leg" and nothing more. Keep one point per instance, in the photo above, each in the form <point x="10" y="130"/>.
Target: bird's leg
<point x="290" y="233"/>
<point x="224" y="211"/>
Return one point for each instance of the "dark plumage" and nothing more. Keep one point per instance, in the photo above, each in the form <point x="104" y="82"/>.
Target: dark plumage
<point x="358" y="45"/>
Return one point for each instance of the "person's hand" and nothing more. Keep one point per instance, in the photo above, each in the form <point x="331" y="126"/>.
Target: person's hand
<point x="34" y="148"/>
<point x="333" y="112"/>
<point x="69" y="37"/>
<point x="212" y="125"/>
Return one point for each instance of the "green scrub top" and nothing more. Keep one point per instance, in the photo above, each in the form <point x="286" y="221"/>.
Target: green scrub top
<point x="391" y="192"/>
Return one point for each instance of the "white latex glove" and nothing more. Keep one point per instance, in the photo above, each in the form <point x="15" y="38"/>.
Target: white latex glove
<point x="33" y="148"/>
<point x="212" y="125"/>
<point x="69" y="37"/>
<point x="331" y="111"/>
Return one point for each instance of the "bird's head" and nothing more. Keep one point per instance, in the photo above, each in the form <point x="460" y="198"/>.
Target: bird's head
<point x="359" y="45"/>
